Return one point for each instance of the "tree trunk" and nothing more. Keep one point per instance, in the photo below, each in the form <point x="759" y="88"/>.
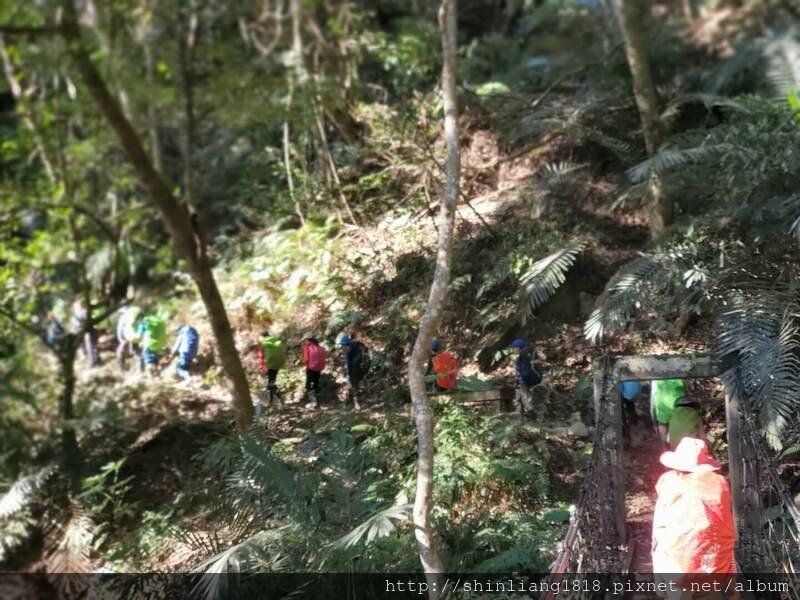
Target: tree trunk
<point x="632" y="16"/>
<point x="186" y="55"/>
<point x="182" y="225"/>
<point x="152" y="115"/>
<point x="428" y="553"/>
<point x="72" y="461"/>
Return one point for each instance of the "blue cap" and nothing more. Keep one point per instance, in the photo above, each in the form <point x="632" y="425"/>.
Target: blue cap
<point x="344" y="340"/>
<point x="435" y="345"/>
<point x="518" y="343"/>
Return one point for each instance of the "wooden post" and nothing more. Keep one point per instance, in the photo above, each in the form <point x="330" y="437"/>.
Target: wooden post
<point x="617" y="459"/>
<point x="734" y="454"/>
<point x="597" y="387"/>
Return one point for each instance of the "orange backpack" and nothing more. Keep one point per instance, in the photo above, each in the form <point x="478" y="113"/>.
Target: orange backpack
<point x="446" y="366"/>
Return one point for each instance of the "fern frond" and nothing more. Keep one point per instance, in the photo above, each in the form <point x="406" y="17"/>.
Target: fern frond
<point x="22" y="491"/>
<point x="783" y="70"/>
<point x="73" y="553"/>
<point x="377" y="526"/>
<point x="214" y="570"/>
<point x="264" y="469"/>
<point x="671" y="158"/>
<point x="546" y="276"/>
<point x="620" y="297"/>
<point x="765" y="338"/>
<point x="558" y="173"/>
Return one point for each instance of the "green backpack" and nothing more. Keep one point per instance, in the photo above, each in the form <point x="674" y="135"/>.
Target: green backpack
<point x="155" y="333"/>
<point x="274" y="352"/>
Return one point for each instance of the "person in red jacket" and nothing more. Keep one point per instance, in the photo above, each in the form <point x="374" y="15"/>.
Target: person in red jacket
<point x="445" y="365"/>
<point x="694" y="533"/>
<point x="314" y="357"/>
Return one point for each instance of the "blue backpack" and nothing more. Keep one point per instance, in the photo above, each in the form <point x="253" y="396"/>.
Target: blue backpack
<point x="191" y="340"/>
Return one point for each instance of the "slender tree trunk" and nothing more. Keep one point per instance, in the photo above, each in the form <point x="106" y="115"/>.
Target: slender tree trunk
<point x="632" y="15"/>
<point x="72" y="461"/>
<point x="428" y="553"/>
<point x="186" y="52"/>
<point x="152" y="115"/>
<point x="182" y="225"/>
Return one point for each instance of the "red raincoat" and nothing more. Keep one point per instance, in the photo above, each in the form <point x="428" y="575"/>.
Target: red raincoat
<point x="693" y="526"/>
<point x="445" y="365"/>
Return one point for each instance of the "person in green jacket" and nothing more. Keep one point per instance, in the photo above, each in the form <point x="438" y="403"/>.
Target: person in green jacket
<point x="663" y="395"/>
<point x="271" y="359"/>
<point x="685" y="421"/>
<point x="153" y="339"/>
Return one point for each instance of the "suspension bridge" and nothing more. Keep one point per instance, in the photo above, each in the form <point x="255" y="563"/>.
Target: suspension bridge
<point x="599" y="539"/>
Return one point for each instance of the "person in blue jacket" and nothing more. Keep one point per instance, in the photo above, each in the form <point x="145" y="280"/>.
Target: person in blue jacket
<point x="629" y="391"/>
<point x="185" y="349"/>
<point x="527" y="376"/>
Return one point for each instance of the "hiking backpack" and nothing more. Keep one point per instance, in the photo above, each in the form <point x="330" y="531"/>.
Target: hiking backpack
<point x="316" y="358"/>
<point x="155" y="333"/>
<point x="274" y="352"/>
<point x="192" y="339"/>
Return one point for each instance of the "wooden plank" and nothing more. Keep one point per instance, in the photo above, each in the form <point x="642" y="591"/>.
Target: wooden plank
<point x="617" y="460"/>
<point x="670" y="366"/>
<point x="734" y="435"/>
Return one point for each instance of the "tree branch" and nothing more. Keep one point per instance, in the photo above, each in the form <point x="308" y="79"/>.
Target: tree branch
<point x="29" y="30"/>
<point x="26" y="326"/>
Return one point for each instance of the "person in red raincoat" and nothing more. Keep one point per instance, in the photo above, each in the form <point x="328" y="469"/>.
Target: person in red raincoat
<point x="694" y="535"/>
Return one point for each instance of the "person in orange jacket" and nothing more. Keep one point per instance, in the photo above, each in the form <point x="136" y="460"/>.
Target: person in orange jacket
<point x="694" y="533"/>
<point x="445" y="365"/>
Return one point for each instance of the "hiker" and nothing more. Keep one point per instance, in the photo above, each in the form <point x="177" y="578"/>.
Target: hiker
<point x="663" y="394"/>
<point x="127" y="333"/>
<point x="527" y="376"/>
<point x="445" y="365"/>
<point x="89" y="346"/>
<point x="356" y="365"/>
<point x="54" y="330"/>
<point x="629" y="391"/>
<point x="271" y="359"/>
<point x="185" y="349"/>
<point x="314" y="357"/>
<point x="694" y="534"/>
<point x="153" y="334"/>
<point x="685" y="421"/>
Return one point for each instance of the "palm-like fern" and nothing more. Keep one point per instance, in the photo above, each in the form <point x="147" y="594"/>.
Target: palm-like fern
<point x="623" y="293"/>
<point x="561" y="172"/>
<point x="764" y="338"/>
<point x="670" y="158"/>
<point x="376" y="526"/>
<point x="545" y="276"/>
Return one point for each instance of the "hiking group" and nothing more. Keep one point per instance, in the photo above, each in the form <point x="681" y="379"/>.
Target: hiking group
<point x="143" y="332"/>
<point x="694" y="532"/>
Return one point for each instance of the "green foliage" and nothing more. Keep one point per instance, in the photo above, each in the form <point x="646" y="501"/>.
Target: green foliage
<point x="408" y="57"/>
<point x="546" y="275"/>
<point x="342" y="496"/>
<point x="104" y="495"/>
<point x="16" y="505"/>
<point x="764" y="336"/>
